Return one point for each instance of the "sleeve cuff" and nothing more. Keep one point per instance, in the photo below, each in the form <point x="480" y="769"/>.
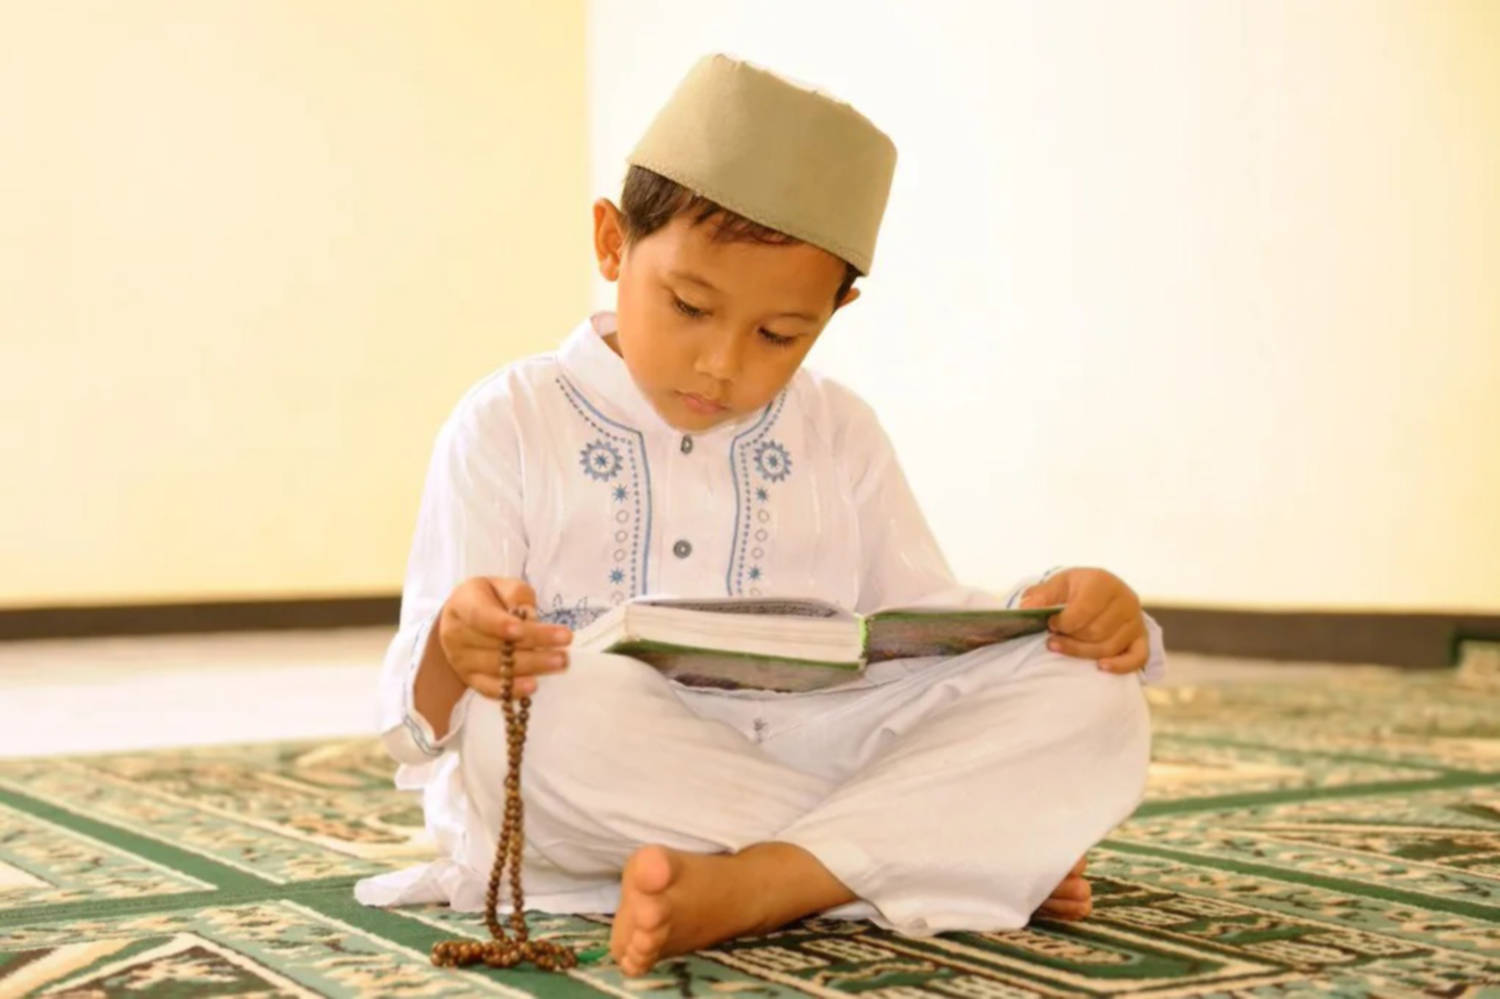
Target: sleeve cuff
<point x="1156" y="652"/>
<point x="416" y="728"/>
<point x="1028" y="583"/>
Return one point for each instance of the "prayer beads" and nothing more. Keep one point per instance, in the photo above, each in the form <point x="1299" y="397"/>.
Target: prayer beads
<point x="503" y="951"/>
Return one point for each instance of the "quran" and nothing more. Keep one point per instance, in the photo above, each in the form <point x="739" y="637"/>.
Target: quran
<point x="790" y="644"/>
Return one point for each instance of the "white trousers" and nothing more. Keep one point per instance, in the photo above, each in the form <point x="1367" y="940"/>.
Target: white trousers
<point x="955" y="796"/>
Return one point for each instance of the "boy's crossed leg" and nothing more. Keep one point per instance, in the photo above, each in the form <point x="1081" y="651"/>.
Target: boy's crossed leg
<point x="974" y="797"/>
<point x="742" y="843"/>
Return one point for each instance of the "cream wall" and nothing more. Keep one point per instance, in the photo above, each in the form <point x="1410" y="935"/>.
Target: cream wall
<point x="1202" y="291"/>
<point x="250" y="255"/>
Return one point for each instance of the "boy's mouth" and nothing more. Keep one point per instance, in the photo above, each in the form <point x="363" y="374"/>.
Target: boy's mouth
<point x="698" y="404"/>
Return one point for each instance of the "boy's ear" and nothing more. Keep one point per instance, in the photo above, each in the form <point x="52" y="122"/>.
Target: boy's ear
<point x="849" y="296"/>
<point x="609" y="238"/>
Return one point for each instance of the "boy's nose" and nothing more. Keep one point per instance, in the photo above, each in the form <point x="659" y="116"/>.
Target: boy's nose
<point x="719" y="357"/>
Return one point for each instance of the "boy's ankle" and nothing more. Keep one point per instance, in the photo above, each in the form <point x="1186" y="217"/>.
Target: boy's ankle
<point x="796" y="885"/>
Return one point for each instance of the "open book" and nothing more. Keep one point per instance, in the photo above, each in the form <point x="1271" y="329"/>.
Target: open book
<point x="790" y="644"/>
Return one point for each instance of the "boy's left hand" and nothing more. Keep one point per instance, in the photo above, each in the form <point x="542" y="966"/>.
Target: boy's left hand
<point x="1101" y="618"/>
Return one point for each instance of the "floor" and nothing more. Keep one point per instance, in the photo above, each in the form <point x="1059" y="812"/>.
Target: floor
<point x="103" y="694"/>
<point x="1307" y="830"/>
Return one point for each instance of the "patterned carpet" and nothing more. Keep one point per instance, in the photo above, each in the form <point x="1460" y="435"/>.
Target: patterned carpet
<point x="1338" y="837"/>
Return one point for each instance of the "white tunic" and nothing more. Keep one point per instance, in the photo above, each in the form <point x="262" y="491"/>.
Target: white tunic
<point x="556" y="470"/>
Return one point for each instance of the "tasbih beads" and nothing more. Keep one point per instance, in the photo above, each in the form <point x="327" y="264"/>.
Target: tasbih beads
<point x="503" y="951"/>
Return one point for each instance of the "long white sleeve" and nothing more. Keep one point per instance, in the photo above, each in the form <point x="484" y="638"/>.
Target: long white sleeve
<point x="469" y="524"/>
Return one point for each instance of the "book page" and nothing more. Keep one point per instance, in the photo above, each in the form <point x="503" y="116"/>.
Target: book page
<point x="956" y="610"/>
<point x="769" y="606"/>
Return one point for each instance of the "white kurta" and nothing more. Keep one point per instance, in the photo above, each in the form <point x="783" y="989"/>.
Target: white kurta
<point x="558" y="471"/>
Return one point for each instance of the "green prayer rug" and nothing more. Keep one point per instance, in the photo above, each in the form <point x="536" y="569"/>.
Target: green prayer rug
<point x="1334" y="838"/>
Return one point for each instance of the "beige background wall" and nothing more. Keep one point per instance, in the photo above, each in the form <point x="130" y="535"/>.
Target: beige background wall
<point x="250" y="254"/>
<point x="1204" y="291"/>
<point x="1200" y="291"/>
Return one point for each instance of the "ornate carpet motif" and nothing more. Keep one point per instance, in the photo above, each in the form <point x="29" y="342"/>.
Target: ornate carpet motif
<point x="1337" y="838"/>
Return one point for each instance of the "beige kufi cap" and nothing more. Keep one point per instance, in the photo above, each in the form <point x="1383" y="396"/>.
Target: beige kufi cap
<point x="780" y="154"/>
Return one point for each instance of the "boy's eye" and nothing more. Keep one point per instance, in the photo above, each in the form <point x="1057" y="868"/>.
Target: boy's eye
<point x="693" y="312"/>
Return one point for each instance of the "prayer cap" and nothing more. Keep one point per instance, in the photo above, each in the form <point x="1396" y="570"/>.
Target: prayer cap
<point x="786" y="156"/>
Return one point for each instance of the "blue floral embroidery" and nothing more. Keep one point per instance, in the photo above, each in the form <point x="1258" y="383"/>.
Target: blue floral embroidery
<point x="774" y="464"/>
<point x="618" y="452"/>
<point x="580" y="615"/>
<point x="772" y="461"/>
<point x="600" y="460"/>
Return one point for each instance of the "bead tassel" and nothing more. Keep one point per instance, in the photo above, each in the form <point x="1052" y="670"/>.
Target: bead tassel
<point x="503" y="951"/>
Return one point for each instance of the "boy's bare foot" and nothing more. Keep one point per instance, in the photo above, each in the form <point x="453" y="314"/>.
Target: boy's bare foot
<point x="1072" y="899"/>
<point x="673" y="902"/>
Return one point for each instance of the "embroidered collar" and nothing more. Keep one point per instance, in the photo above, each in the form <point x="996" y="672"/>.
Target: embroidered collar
<point x="600" y="373"/>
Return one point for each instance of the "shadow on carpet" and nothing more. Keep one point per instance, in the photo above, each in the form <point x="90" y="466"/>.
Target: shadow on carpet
<point x="1339" y="838"/>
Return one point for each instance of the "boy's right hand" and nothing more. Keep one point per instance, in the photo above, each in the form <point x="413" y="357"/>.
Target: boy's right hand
<point x="479" y="617"/>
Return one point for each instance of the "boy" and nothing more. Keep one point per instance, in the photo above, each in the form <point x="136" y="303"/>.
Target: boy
<point x="677" y="446"/>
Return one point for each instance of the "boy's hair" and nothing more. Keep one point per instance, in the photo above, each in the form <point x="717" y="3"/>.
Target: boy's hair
<point x="650" y="201"/>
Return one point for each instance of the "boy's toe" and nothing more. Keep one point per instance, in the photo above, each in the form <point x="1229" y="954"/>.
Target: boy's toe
<point x="645" y="945"/>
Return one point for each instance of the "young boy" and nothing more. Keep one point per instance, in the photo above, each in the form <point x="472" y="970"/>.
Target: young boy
<point x="676" y="446"/>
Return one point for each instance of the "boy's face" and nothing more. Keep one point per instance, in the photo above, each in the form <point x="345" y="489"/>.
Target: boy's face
<point x="711" y="331"/>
